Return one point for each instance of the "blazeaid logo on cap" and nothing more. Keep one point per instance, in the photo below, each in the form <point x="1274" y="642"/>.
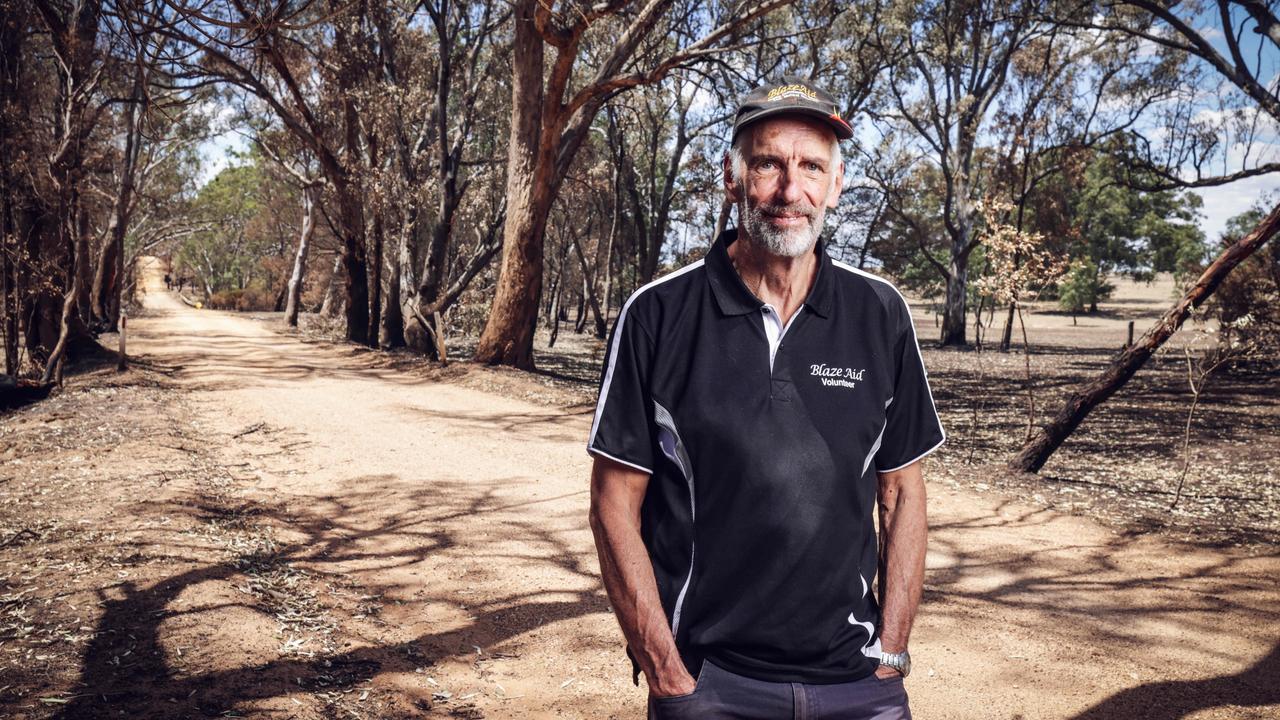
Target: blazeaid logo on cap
<point x="785" y="92"/>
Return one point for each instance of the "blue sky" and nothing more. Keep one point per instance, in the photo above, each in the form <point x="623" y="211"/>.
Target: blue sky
<point x="1220" y="203"/>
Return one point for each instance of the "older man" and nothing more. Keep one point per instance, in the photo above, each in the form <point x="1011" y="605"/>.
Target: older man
<point x="755" y="408"/>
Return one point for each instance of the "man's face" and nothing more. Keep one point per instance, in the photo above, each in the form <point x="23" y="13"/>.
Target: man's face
<point x="788" y="182"/>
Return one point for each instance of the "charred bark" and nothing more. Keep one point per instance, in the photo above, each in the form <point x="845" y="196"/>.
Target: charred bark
<point x="356" y="280"/>
<point x="11" y="187"/>
<point x="957" y="300"/>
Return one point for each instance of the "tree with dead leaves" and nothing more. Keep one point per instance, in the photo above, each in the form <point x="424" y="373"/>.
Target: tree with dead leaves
<point x="1239" y="77"/>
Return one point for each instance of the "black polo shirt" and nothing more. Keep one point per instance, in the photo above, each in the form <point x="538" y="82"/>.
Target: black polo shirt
<point x="758" y="514"/>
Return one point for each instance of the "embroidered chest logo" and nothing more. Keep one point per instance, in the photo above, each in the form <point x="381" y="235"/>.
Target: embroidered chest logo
<point x="845" y="377"/>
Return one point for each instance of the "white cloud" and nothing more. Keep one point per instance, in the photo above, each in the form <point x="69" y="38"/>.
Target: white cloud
<point x="1226" y="201"/>
<point x="215" y="153"/>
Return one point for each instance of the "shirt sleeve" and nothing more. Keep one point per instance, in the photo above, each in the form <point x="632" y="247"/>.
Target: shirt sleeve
<point x="621" y="430"/>
<point x="912" y="427"/>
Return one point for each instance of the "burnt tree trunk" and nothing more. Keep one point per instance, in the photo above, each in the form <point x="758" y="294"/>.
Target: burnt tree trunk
<point x="1006" y="338"/>
<point x="956" y="309"/>
<point x="351" y="201"/>
<point x="71" y="333"/>
<point x="354" y="262"/>
<point x="580" y="309"/>
<point x="41" y="305"/>
<point x="12" y="188"/>
<point x="553" y="311"/>
<point x="73" y="37"/>
<point x="1034" y="454"/>
<point x="393" y="317"/>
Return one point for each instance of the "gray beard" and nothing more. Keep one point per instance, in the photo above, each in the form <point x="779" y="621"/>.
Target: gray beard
<point x="791" y="243"/>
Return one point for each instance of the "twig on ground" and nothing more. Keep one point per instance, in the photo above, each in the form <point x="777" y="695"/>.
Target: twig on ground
<point x="24" y="532"/>
<point x="249" y="430"/>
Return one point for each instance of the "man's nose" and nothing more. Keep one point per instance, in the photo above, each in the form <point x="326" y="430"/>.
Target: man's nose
<point x="789" y="191"/>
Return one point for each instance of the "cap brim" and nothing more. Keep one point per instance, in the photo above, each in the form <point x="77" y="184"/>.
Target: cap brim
<point x="842" y="129"/>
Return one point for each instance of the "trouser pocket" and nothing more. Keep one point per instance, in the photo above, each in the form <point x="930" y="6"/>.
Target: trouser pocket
<point x="680" y="707"/>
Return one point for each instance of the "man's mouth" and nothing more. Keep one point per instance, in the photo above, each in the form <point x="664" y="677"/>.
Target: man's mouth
<point x="786" y="218"/>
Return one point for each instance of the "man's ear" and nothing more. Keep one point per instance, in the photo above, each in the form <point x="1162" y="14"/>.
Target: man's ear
<point x="732" y="189"/>
<point x="837" y="187"/>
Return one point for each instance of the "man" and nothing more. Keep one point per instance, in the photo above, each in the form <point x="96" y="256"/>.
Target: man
<point x="755" y="407"/>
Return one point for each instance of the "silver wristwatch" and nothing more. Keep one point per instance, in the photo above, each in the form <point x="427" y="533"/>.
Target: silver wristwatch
<point x="898" y="661"/>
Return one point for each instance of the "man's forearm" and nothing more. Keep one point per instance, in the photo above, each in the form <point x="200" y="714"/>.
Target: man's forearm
<point x="633" y="592"/>
<point x="904" y="533"/>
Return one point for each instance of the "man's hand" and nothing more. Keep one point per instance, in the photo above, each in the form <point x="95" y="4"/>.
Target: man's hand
<point x="884" y="672"/>
<point x="681" y="683"/>
<point x="617" y="494"/>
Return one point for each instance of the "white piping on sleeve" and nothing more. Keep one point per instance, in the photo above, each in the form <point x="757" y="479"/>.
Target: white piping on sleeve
<point x="924" y="371"/>
<point x="601" y="453"/>
<point x="613" y="350"/>
<point x="914" y="459"/>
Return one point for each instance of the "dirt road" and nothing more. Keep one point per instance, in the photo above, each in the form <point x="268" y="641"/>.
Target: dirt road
<point x="408" y="546"/>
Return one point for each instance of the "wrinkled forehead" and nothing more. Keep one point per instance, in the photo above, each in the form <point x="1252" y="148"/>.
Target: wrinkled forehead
<point x="788" y="135"/>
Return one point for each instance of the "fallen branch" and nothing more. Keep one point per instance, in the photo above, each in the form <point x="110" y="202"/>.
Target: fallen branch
<point x="1033" y="455"/>
<point x="24" y="532"/>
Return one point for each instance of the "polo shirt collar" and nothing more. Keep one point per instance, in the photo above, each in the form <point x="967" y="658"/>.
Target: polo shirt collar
<point x="733" y="296"/>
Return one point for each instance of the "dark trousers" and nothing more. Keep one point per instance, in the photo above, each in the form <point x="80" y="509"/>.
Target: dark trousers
<point x="721" y="694"/>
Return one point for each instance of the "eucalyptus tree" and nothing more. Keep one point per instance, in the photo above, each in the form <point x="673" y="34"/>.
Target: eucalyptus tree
<point x="444" y="127"/>
<point x="17" y="173"/>
<point x="154" y="131"/>
<point x="78" y="71"/>
<point x="298" y="168"/>
<point x="556" y="94"/>
<point x="1208" y="136"/>
<point x="73" y="35"/>
<point x="308" y="64"/>
<point x="976" y="89"/>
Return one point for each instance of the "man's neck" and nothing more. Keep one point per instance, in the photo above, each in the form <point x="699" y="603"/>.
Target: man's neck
<point x="782" y="282"/>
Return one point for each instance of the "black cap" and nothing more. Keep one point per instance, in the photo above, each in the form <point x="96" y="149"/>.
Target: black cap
<point x="795" y="97"/>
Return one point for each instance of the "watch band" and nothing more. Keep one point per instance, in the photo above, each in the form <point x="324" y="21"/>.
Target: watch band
<point x="898" y="661"/>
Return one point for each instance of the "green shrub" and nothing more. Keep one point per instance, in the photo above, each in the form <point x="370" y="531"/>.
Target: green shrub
<point x="1083" y="287"/>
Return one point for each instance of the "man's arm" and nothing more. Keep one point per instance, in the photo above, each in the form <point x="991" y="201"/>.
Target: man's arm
<point x="904" y="531"/>
<point x="617" y="494"/>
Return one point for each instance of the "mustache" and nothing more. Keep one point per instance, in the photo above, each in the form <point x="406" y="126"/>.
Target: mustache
<point x="795" y="208"/>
